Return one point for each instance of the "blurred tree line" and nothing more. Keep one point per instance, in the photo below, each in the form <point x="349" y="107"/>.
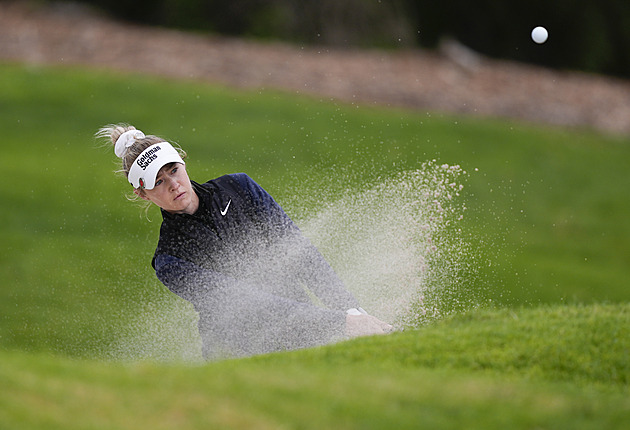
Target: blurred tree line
<point x="589" y="35"/>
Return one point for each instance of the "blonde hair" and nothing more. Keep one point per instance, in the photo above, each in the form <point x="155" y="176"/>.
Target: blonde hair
<point x="110" y="134"/>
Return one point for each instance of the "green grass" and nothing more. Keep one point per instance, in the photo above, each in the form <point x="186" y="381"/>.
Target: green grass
<point x="553" y="367"/>
<point x="547" y="217"/>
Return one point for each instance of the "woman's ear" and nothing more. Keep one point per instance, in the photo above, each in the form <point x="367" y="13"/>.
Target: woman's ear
<point x="140" y="193"/>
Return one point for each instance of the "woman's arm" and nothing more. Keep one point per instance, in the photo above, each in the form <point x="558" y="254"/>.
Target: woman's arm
<point x="249" y="319"/>
<point x="186" y="279"/>
<point x="308" y="263"/>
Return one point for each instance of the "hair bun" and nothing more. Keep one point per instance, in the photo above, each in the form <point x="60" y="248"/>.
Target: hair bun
<point x="125" y="140"/>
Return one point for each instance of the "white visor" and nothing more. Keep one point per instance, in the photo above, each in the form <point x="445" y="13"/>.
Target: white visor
<point x="145" y="168"/>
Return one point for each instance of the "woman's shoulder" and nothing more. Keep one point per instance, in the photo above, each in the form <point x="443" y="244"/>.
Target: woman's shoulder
<point x="230" y="181"/>
<point x="233" y="185"/>
<point x="241" y="178"/>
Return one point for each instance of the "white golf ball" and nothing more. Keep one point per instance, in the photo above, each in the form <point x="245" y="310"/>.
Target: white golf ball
<point x="539" y="35"/>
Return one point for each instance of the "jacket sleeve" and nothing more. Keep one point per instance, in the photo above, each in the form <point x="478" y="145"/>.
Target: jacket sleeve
<point x="244" y="319"/>
<point x="186" y="279"/>
<point x="308" y="263"/>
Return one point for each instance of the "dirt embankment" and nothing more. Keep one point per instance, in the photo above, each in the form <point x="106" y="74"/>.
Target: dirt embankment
<point x="451" y="80"/>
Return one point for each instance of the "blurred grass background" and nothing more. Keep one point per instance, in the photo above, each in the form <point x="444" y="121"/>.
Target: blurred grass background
<point x="546" y="206"/>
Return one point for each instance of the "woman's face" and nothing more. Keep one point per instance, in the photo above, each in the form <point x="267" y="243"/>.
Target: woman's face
<point x="173" y="191"/>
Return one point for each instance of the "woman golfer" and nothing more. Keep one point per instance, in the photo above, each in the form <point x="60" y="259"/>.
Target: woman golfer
<point x="228" y="248"/>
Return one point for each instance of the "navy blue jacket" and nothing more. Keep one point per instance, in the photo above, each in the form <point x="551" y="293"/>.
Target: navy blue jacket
<point x="257" y="283"/>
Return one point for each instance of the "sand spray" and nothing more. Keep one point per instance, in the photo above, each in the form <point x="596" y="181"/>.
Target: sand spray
<point x="397" y="244"/>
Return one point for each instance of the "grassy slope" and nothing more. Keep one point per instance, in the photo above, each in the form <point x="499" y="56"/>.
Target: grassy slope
<point x="546" y="206"/>
<point x="550" y="367"/>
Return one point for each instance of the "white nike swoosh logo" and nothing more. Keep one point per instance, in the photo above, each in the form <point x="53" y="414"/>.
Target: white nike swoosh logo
<point x="224" y="211"/>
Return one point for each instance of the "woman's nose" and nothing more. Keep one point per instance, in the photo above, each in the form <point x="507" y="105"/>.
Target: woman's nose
<point x="173" y="184"/>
